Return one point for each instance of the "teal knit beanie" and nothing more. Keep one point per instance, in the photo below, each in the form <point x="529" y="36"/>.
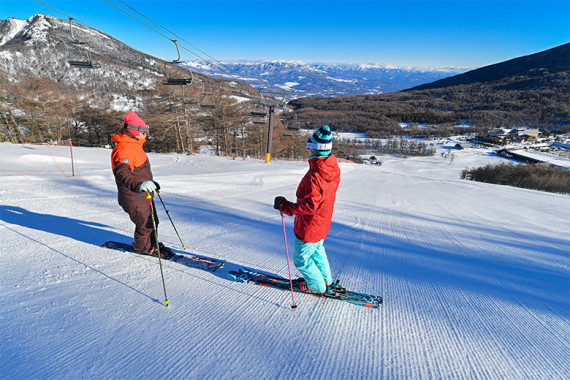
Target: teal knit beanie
<point x="320" y="142"/>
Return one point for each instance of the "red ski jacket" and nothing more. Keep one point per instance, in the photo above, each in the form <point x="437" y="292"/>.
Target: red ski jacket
<point x="315" y="200"/>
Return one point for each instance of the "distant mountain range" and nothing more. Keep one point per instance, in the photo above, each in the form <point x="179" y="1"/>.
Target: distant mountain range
<point x="300" y="79"/>
<point x="529" y="91"/>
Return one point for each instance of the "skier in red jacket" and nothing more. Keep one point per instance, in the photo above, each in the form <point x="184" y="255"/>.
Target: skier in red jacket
<point x="313" y="212"/>
<point x="133" y="177"/>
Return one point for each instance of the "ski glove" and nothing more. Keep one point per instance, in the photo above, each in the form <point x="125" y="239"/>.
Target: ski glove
<point x="278" y="200"/>
<point x="148" y="186"/>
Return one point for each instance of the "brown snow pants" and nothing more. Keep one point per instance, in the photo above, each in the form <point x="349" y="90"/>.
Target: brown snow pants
<point x="139" y="212"/>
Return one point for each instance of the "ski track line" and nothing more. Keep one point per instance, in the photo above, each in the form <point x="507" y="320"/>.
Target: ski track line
<point x="513" y="312"/>
<point x="462" y="247"/>
<point x="64" y="281"/>
<point x="306" y="301"/>
<point x="505" y="309"/>
<point x="333" y="337"/>
<point x="454" y="326"/>
<point x="310" y="302"/>
<point x="420" y="349"/>
<point x="348" y="269"/>
<point x="488" y="301"/>
<point x="410" y="240"/>
<point x="356" y="228"/>
<point x="469" y="251"/>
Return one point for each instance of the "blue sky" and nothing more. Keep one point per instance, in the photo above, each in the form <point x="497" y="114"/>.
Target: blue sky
<point x="441" y="33"/>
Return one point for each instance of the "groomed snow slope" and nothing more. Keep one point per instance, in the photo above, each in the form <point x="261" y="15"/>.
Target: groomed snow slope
<point x="475" y="277"/>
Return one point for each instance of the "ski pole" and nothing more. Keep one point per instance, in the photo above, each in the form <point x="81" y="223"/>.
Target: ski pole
<point x="288" y="265"/>
<point x="167" y="213"/>
<point x="157" y="247"/>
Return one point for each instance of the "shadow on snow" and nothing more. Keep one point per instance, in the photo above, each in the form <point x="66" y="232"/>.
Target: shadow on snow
<point x="380" y="255"/>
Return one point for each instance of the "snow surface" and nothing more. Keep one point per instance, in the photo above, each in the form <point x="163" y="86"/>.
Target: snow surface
<point x="562" y="162"/>
<point x="475" y="277"/>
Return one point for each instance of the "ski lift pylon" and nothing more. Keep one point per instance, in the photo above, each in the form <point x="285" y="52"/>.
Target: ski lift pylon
<point x="178" y="81"/>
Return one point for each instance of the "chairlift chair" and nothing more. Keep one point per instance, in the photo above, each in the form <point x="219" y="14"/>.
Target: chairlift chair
<point x="295" y="126"/>
<point x="81" y="64"/>
<point x="178" y="81"/>
<point x="84" y="64"/>
<point x="202" y="105"/>
<point x="203" y="96"/>
<point x="259" y="117"/>
<point x="261" y="103"/>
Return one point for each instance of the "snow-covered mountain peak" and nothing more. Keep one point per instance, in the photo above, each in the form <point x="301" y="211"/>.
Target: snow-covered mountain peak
<point x="11" y="27"/>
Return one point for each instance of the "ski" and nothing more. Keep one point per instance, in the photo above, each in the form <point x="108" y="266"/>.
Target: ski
<point x="187" y="259"/>
<point x="268" y="280"/>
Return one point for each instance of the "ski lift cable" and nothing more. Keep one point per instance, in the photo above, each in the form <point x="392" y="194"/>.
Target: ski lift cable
<point x="218" y="63"/>
<point x="142" y="22"/>
<point x="153" y="29"/>
<point x="171" y="32"/>
<point x="82" y="64"/>
<point x="87" y="26"/>
<point x="69" y="17"/>
<point x="148" y="26"/>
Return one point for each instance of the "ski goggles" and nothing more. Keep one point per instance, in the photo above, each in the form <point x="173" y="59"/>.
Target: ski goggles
<point x="319" y="146"/>
<point x="137" y="128"/>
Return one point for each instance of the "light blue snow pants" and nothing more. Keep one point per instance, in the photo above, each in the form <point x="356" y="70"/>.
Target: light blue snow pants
<point x="311" y="260"/>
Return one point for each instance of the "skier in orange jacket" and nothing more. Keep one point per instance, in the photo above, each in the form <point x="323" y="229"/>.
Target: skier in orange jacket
<point x="134" y="180"/>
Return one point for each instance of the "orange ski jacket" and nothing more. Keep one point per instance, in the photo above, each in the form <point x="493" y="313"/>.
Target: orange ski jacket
<point x="130" y="166"/>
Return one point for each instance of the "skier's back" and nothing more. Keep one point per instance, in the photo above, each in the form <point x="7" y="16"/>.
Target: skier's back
<point x="313" y="211"/>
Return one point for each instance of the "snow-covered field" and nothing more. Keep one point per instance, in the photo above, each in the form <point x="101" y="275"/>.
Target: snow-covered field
<point x="475" y="277"/>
